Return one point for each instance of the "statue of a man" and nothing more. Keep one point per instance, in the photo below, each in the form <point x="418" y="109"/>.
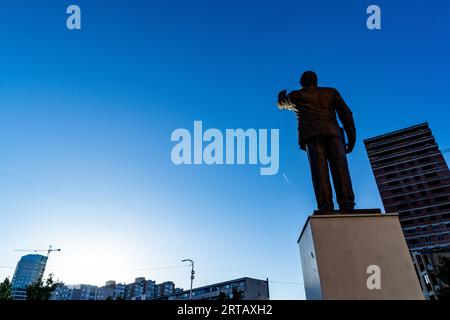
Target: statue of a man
<point x="322" y="138"/>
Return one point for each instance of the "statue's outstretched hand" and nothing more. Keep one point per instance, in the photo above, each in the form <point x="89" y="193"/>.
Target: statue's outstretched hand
<point x="283" y="102"/>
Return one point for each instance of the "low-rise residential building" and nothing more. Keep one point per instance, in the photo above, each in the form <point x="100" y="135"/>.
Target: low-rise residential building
<point x="246" y="288"/>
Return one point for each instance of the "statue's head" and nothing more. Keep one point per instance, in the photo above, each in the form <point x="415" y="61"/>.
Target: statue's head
<point x="308" y="79"/>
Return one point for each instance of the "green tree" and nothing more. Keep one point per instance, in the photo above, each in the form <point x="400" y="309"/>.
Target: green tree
<point x="5" y="289"/>
<point x="443" y="274"/>
<point x="40" y="290"/>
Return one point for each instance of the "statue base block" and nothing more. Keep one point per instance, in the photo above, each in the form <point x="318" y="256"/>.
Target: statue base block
<point x="362" y="255"/>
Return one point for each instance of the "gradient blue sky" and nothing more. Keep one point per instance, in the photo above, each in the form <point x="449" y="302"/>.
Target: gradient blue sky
<point x="86" y="118"/>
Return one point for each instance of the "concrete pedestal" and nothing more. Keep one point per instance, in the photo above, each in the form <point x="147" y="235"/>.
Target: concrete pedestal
<point x="357" y="256"/>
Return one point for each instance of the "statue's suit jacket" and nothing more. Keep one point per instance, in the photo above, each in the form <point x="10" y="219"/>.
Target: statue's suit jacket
<point x="316" y="109"/>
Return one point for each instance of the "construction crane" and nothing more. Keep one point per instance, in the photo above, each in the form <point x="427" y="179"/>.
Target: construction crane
<point x="445" y="150"/>
<point x="50" y="249"/>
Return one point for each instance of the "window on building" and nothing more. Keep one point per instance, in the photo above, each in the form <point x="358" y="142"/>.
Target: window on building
<point x="405" y="214"/>
<point x="407" y="222"/>
<point x="434" y="183"/>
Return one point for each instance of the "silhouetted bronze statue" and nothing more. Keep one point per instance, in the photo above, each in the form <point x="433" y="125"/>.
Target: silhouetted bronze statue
<point x="322" y="138"/>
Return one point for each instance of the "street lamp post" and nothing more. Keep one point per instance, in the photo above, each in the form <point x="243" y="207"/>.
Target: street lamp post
<point x="192" y="275"/>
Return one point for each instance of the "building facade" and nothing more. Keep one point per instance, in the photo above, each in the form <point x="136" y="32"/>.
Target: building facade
<point x="110" y="291"/>
<point x="427" y="262"/>
<point x="28" y="270"/>
<point x="139" y="287"/>
<point x="120" y="291"/>
<point x="146" y="289"/>
<point x="164" y="289"/>
<point x="247" y="288"/>
<point x="414" y="181"/>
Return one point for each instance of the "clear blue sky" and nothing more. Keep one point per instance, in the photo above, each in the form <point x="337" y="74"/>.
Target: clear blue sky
<point x="86" y="118"/>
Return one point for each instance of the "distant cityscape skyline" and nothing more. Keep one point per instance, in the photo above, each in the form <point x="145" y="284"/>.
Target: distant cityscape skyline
<point x="31" y="267"/>
<point x="146" y="289"/>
